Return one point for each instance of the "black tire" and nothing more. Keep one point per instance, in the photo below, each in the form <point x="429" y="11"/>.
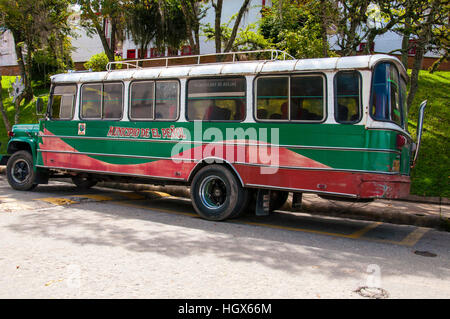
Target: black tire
<point x="217" y="194"/>
<point x="19" y="171"/>
<point x="83" y="182"/>
<point x="277" y="199"/>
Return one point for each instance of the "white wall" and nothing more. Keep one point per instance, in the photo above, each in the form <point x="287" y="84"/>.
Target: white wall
<point x="7" y="51"/>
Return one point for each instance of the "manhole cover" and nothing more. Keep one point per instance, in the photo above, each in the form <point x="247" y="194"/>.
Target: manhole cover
<point x="425" y="253"/>
<point x="372" y="292"/>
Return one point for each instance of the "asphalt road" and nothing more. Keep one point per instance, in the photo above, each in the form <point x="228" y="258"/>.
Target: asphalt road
<point x="59" y="242"/>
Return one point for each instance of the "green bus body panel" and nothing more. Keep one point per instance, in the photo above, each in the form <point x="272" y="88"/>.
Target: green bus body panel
<point x="27" y="134"/>
<point x="378" y="146"/>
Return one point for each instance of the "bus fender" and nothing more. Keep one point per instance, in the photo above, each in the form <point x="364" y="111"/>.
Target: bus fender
<point x="214" y="160"/>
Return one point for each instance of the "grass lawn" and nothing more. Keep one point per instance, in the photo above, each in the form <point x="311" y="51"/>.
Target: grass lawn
<point x="431" y="175"/>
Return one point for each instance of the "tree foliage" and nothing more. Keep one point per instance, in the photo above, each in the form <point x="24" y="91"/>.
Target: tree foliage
<point x="297" y="27"/>
<point x="96" y="15"/>
<point x="35" y="25"/>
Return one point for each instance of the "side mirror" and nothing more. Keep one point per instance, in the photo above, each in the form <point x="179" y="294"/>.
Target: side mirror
<point x="39" y="106"/>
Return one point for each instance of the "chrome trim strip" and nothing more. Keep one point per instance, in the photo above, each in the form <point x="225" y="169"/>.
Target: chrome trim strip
<point x="112" y="173"/>
<point x="300" y="190"/>
<point x="325" y="148"/>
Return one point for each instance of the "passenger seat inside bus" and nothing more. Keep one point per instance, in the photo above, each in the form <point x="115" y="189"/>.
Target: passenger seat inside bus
<point x="215" y="113"/>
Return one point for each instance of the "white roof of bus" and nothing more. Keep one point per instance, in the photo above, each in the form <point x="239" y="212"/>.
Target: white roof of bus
<point x="231" y="68"/>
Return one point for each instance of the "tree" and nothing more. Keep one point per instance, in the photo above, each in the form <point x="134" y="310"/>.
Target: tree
<point x="194" y="12"/>
<point x="298" y="27"/>
<point x="32" y="24"/>
<point x="430" y="32"/>
<point x="218" y="38"/>
<point x="140" y="19"/>
<point x="95" y="17"/>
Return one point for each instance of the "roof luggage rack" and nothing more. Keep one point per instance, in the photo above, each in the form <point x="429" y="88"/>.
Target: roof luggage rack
<point x="205" y="59"/>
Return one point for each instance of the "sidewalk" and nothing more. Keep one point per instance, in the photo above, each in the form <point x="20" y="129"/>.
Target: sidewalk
<point x="389" y="211"/>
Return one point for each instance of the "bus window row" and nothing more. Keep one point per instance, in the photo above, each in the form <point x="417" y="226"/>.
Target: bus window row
<point x="284" y="98"/>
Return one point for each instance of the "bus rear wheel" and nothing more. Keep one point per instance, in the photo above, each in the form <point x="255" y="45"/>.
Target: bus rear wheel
<point x="217" y="194"/>
<point x="19" y="171"/>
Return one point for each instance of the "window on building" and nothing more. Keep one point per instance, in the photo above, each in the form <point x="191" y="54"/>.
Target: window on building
<point x="102" y="101"/>
<point x="63" y="101"/>
<point x="296" y="98"/>
<point x="216" y="99"/>
<point x="186" y="50"/>
<point x="347" y="86"/>
<point x="131" y="54"/>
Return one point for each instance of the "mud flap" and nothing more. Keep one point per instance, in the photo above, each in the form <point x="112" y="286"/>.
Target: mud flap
<point x="263" y="202"/>
<point x="297" y="201"/>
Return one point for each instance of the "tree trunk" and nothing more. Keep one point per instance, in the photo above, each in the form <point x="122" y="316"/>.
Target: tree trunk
<point x="217" y="25"/>
<point x="190" y="11"/>
<point x="418" y="60"/>
<point x="236" y="26"/>
<point x="405" y="48"/>
<point x="3" y="111"/>
<point x="25" y="68"/>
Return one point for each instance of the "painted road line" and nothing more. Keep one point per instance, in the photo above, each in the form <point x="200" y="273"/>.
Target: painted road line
<point x="414" y="236"/>
<point x="59" y="201"/>
<point x="95" y="197"/>
<point x="360" y="233"/>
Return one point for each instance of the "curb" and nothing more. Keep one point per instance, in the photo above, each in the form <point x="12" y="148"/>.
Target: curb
<point x="371" y="214"/>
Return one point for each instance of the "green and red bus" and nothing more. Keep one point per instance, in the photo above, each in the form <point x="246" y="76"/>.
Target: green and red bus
<point x="234" y="131"/>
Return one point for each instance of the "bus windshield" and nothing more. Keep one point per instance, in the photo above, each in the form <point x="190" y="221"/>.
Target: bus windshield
<point x="388" y="98"/>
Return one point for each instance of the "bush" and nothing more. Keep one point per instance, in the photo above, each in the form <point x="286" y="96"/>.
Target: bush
<point x="98" y="62"/>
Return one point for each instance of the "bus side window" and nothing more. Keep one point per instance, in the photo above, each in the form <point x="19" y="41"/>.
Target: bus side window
<point x="307" y="98"/>
<point x="216" y="99"/>
<point x="272" y="98"/>
<point x="91" y="101"/>
<point x="386" y="103"/>
<point x="347" y="97"/>
<point x="112" y="100"/>
<point x="141" y="101"/>
<point x="63" y="99"/>
<point x="166" y="100"/>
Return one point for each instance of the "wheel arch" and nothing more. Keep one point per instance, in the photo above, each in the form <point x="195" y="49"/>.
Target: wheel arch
<point x="22" y="145"/>
<point x="214" y="161"/>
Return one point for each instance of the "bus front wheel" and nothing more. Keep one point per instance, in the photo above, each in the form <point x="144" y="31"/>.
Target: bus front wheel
<point x="19" y="171"/>
<point x="217" y="194"/>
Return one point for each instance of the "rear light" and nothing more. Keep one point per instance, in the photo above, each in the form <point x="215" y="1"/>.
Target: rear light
<point x="401" y="141"/>
<point x="10" y="133"/>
